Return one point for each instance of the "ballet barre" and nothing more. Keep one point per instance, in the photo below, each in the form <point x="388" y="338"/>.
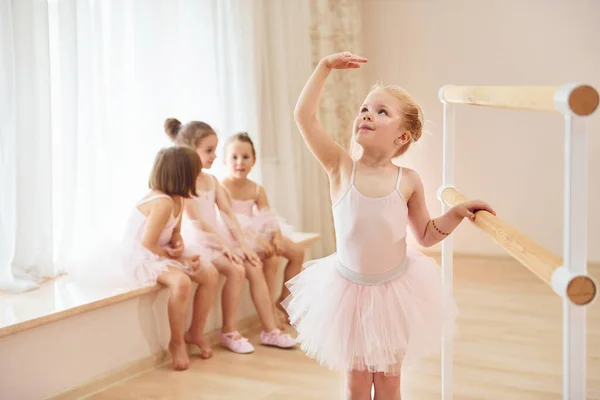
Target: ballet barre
<point x="581" y="100"/>
<point x="578" y="289"/>
<point x="567" y="275"/>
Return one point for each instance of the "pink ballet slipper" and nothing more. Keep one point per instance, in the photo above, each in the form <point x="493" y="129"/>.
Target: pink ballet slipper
<point x="240" y="345"/>
<point x="276" y="339"/>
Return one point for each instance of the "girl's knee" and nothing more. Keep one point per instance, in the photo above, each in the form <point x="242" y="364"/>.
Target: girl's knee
<point x="181" y="286"/>
<point x="388" y="384"/>
<point x="253" y="272"/>
<point x="237" y="272"/>
<point x="297" y="253"/>
<point x="359" y="384"/>
<point x="229" y="269"/>
<point x="209" y="276"/>
<point x="271" y="264"/>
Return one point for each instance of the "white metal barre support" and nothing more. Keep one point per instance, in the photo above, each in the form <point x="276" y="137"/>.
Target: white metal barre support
<point x="575" y="256"/>
<point x="447" y="249"/>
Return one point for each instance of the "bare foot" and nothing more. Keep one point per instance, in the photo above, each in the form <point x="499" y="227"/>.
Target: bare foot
<point x="282" y="316"/>
<point x="201" y="342"/>
<point x="281" y="308"/>
<point x="280" y="321"/>
<point x="179" y="356"/>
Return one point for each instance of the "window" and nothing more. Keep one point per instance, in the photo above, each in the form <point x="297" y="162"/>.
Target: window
<point x="112" y="72"/>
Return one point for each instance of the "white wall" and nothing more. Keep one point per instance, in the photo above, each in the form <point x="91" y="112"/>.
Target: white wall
<point x="52" y="358"/>
<point x="512" y="159"/>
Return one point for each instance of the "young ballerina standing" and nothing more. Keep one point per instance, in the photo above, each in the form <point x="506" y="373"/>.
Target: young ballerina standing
<point x="153" y="250"/>
<point x="202" y="228"/>
<point x="261" y="225"/>
<point x="374" y="304"/>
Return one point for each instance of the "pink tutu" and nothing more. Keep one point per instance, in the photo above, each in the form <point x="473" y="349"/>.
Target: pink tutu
<point x="204" y="244"/>
<point x="124" y="263"/>
<point x="263" y="224"/>
<point x="127" y="261"/>
<point x="143" y="266"/>
<point x="349" y="326"/>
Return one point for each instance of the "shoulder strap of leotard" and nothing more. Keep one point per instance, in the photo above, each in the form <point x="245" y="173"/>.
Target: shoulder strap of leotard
<point x="181" y="209"/>
<point x="257" y="190"/>
<point x="399" y="178"/>
<point x="156" y="196"/>
<point x="214" y="179"/>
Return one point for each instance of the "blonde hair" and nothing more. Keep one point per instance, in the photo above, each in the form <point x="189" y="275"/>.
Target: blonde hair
<point x="413" y="118"/>
<point x="190" y="134"/>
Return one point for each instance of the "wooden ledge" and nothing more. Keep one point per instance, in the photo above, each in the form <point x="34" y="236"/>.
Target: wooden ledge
<point x="73" y="311"/>
<point x="40" y="303"/>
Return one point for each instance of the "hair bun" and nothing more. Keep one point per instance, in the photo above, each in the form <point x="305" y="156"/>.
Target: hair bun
<point x="172" y="127"/>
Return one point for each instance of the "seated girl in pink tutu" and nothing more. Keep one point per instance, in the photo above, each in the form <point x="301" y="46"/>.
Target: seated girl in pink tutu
<point x="153" y="250"/>
<point x="265" y="230"/>
<point x="223" y="243"/>
<point x="374" y="304"/>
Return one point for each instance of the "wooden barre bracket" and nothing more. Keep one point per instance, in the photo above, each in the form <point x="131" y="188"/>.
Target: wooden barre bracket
<point x="574" y="99"/>
<point x="580" y="289"/>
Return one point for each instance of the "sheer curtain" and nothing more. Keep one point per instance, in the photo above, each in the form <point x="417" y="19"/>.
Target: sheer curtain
<point x="26" y="254"/>
<point x="295" y="182"/>
<point x="88" y="87"/>
<point x="291" y="38"/>
<point x="130" y="66"/>
<point x="90" y="84"/>
<point x="127" y="68"/>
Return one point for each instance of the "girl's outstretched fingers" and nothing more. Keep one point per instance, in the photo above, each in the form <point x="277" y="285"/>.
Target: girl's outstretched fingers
<point x="344" y="60"/>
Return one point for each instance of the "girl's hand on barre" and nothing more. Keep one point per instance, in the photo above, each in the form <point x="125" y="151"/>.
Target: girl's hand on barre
<point x="469" y="208"/>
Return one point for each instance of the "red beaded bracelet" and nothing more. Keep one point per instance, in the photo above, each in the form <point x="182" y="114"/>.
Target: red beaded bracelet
<point x="436" y="228"/>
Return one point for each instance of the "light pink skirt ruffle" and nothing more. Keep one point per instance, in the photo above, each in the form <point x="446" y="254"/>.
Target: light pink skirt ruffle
<point x="348" y="326"/>
<point x="263" y="224"/>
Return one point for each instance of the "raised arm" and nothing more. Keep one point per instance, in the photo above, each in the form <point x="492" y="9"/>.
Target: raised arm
<point x="430" y="231"/>
<point x="329" y="153"/>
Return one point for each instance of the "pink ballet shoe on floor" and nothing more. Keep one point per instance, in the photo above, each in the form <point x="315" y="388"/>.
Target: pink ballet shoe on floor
<point x="277" y="339"/>
<point x="236" y="343"/>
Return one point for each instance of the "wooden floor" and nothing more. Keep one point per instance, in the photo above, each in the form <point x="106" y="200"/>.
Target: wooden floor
<point x="509" y="347"/>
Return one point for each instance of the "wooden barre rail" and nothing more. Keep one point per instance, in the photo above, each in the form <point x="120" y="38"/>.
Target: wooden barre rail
<point x="580" y="290"/>
<point x="578" y="99"/>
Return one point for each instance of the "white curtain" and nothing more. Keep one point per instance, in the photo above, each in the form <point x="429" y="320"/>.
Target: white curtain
<point x="26" y="255"/>
<point x="113" y="70"/>
<point x="88" y="87"/>
<point x="295" y="182"/>
<point x="233" y="22"/>
<point x="128" y="67"/>
<point x="123" y="68"/>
